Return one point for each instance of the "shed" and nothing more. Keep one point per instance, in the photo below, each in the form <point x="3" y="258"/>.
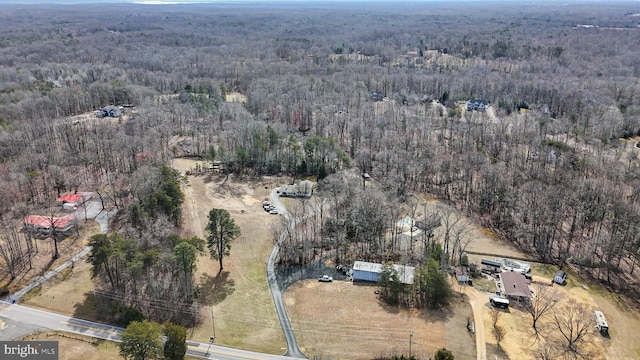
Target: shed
<point x="367" y="271"/>
<point x="560" y="277"/>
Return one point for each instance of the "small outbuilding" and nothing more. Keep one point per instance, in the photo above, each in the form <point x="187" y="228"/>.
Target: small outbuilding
<point x="499" y="302"/>
<point x="367" y="271"/>
<point x="560" y="277"/>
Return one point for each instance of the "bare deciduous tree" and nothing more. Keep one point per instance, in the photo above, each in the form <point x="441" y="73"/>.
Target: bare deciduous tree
<point x="542" y="302"/>
<point x="498" y="331"/>
<point x="574" y="323"/>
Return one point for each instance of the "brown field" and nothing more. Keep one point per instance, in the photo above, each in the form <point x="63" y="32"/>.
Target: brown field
<point x="67" y="293"/>
<point x="343" y="320"/>
<point x="76" y="347"/>
<point x="243" y="311"/>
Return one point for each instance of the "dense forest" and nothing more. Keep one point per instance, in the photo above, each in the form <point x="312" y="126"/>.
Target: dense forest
<point x="552" y="166"/>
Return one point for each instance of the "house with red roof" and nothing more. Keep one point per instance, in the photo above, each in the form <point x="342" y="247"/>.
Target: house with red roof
<point x="72" y="201"/>
<point x="49" y="224"/>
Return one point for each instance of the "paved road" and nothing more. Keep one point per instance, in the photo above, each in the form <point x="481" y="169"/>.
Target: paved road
<point x="292" y="345"/>
<point x="25" y="318"/>
<point x="91" y="210"/>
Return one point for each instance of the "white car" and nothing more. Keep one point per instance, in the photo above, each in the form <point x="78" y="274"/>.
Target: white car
<point x="325" y="278"/>
<point x="273" y="212"/>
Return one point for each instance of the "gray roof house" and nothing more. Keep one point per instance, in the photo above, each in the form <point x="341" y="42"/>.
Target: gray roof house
<point x="477" y="104"/>
<point x="302" y="189"/>
<point x="110" y="111"/>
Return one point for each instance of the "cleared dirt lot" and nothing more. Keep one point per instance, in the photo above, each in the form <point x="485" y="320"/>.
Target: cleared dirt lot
<point x="343" y="320"/>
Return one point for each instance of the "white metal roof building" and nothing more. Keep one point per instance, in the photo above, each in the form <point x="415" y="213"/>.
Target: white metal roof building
<point x="366" y="271"/>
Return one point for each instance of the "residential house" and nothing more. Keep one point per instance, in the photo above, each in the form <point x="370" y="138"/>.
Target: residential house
<point x="477" y="104"/>
<point x="47" y="225"/>
<point x="376" y="95"/>
<point x="302" y="189"/>
<point x="110" y="111"/>
<point x="515" y="286"/>
<point x="72" y="201"/>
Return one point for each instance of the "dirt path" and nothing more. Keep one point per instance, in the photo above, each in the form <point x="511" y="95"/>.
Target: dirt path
<point x="478" y="301"/>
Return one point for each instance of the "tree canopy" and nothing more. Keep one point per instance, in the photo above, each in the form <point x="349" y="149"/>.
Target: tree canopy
<point x="222" y="231"/>
<point x="175" y="345"/>
<point x="141" y="340"/>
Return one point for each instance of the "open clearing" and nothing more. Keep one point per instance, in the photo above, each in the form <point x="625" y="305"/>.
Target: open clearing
<point x="42" y="262"/>
<point x="243" y="312"/>
<point x="69" y="292"/>
<point x="343" y="320"/>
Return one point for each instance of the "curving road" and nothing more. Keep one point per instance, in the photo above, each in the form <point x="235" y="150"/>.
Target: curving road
<point x="35" y="320"/>
<point x="292" y="345"/>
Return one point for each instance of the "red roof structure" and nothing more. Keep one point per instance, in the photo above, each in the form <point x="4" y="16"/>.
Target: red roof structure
<point x="40" y="222"/>
<point x="69" y="198"/>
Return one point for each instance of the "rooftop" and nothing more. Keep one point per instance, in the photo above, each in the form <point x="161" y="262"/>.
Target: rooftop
<point x="72" y="198"/>
<point x="515" y="284"/>
<point x="405" y="273"/>
<point x="46" y="222"/>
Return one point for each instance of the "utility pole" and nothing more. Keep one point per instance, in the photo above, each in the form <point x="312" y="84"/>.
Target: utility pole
<point x="213" y="324"/>
<point x="410" y="336"/>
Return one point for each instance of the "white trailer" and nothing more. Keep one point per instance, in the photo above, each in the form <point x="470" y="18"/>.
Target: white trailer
<point x="601" y="322"/>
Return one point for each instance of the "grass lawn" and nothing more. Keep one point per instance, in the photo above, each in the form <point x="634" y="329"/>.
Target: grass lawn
<point x="69" y="292"/>
<point x="238" y="297"/>
<point x="343" y="320"/>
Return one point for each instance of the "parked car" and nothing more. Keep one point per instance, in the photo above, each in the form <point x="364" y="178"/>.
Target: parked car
<point x="325" y="278"/>
<point x="266" y="203"/>
<point x="273" y="212"/>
